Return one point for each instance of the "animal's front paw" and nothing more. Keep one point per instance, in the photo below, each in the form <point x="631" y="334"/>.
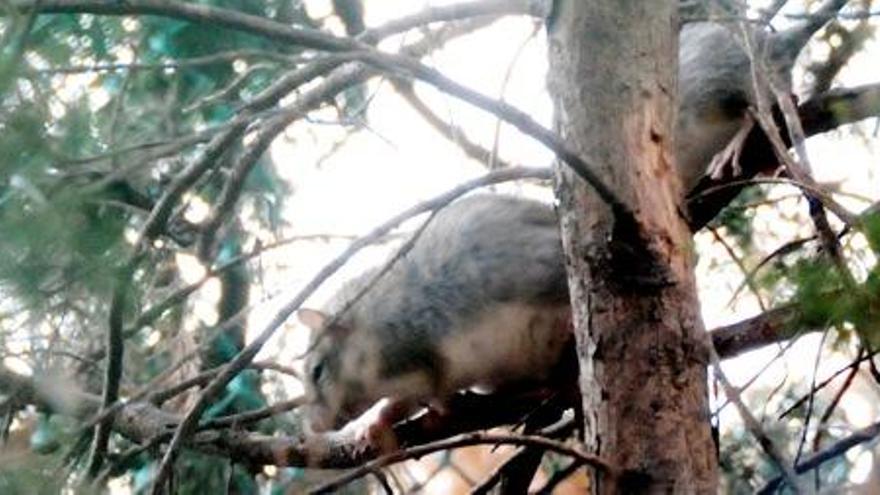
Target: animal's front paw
<point x="377" y="436"/>
<point x="726" y="162"/>
<point x="374" y="431"/>
<point x="381" y="435"/>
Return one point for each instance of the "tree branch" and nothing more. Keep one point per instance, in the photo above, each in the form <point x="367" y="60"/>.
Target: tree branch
<point x="509" y="114"/>
<point x="450" y="131"/>
<point x="141" y="422"/>
<point x="267" y="28"/>
<point x="195" y="13"/>
<point x="833" y="451"/>
<point x="818" y="114"/>
<point x="753" y="333"/>
<point x="337" y="80"/>
<point x="477" y="438"/>
<point x="776" y="455"/>
<point x="190" y="422"/>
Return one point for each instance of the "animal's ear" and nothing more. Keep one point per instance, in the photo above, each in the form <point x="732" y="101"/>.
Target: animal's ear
<point x="312" y="318"/>
<point x="319" y="321"/>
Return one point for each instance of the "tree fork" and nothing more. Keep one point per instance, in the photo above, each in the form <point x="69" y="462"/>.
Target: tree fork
<point x="642" y="347"/>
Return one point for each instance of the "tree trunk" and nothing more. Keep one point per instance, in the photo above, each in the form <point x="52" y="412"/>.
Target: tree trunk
<point x="641" y="342"/>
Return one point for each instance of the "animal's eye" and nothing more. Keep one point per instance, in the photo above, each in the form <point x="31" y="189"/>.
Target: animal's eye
<point x="317" y="371"/>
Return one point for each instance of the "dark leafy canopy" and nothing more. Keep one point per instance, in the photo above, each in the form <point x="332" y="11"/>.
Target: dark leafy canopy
<point x="59" y="170"/>
<point x="91" y="113"/>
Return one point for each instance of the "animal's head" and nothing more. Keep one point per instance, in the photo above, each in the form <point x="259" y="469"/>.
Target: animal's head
<point x="336" y="373"/>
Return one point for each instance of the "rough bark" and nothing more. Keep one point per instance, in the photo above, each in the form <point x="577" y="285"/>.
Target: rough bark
<point x="641" y="342"/>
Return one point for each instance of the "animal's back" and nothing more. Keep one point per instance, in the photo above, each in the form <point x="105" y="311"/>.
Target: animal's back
<point x="481" y="284"/>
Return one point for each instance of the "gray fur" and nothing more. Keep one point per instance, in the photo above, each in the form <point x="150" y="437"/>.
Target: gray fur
<point x="716" y="85"/>
<point x="482" y="298"/>
<point x="715" y="88"/>
<point x="477" y="255"/>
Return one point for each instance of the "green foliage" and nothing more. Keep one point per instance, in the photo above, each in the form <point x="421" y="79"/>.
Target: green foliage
<point x="738" y="217"/>
<point x="197" y="473"/>
<point x="871" y="224"/>
<point x="29" y="475"/>
<point x="241" y="394"/>
<point x="34" y="466"/>
<point x="45" y="437"/>
<point x="77" y="179"/>
<point x="55" y="241"/>
<point x="60" y="229"/>
<point x="825" y="300"/>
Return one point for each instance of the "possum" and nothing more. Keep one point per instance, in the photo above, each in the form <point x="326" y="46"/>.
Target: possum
<point x="481" y="298"/>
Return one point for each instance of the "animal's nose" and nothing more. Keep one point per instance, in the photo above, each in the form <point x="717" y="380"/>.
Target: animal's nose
<point x="318" y="419"/>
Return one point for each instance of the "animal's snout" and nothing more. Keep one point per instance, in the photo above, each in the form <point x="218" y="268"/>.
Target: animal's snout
<point x="318" y="419"/>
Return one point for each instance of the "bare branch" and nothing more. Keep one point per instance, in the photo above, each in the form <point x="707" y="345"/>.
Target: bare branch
<point x="477" y="438"/>
<point x="113" y="368"/>
<point x="332" y="85"/>
<point x="115" y="340"/>
<point x="188" y="425"/>
<point x="779" y="459"/>
<point x="819" y="114"/>
<point x="215" y="58"/>
<point x="338" y="79"/>
<point x="833" y="451"/>
<point x="144" y="423"/>
<point x="842" y="45"/>
<point x="835" y="401"/>
<point x="767" y="328"/>
<point x="797" y="37"/>
<point x="511" y="115"/>
<point x="267" y="28"/>
<point x="450" y="131"/>
<point x="196" y="13"/>
<point x="253" y="416"/>
<point x="819" y="386"/>
<point x="738" y="261"/>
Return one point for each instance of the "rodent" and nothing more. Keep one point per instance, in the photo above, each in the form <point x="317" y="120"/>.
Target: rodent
<point x="480" y="299"/>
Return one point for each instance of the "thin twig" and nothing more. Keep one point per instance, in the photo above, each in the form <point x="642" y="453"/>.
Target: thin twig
<point x="509" y="114"/>
<point x="776" y="455"/>
<point x="477" y="438"/>
<point x="781" y="352"/>
<point x="253" y="416"/>
<point x="214" y="58"/>
<point x="749" y="281"/>
<point x="115" y="340"/>
<point x="332" y="85"/>
<point x="505" y="81"/>
<point x="786" y="249"/>
<point x="833" y="451"/>
<point x="832" y="406"/>
<point x="190" y="421"/>
<point x="826" y="382"/>
<point x="112" y="370"/>
<point x="800" y="170"/>
<point x="811" y="401"/>
<point x="450" y="131"/>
